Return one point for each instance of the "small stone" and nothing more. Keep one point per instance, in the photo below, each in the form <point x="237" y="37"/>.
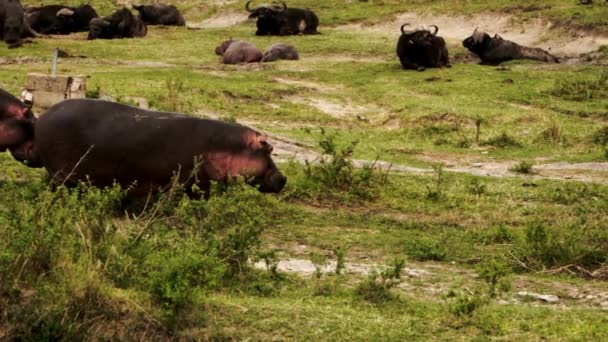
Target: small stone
<point x="484" y="152"/>
<point x="538" y="296"/>
<point x="477" y="164"/>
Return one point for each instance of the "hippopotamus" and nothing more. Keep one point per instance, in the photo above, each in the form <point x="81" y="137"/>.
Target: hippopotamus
<point x="104" y="142"/>
<point x="17" y="129"/>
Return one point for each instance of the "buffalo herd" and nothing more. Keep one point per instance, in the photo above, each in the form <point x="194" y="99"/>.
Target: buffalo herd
<point x="95" y="140"/>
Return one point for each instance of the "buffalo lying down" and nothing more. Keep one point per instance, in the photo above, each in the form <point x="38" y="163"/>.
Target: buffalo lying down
<point x="238" y="51"/>
<point x="160" y="14"/>
<point x="13" y="26"/>
<point x="121" y="24"/>
<point x="60" y="19"/>
<point x="280" y="51"/>
<point x="281" y="20"/>
<point x="102" y="142"/>
<point x="422" y="49"/>
<point x="496" y="50"/>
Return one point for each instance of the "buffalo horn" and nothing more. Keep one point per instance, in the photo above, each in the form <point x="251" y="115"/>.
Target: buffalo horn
<point x="436" y="29"/>
<point x="405" y="32"/>
<point x="99" y="22"/>
<point x="282" y="9"/>
<point x="247" y="7"/>
<point x="65" y="11"/>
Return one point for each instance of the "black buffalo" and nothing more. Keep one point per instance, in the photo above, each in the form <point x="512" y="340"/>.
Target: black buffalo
<point x="121" y="24"/>
<point x="281" y="20"/>
<point x="13" y="26"/>
<point x="495" y="50"/>
<point x="280" y="51"/>
<point x="160" y="14"/>
<point x="17" y="129"/>
<point x="421" y="49"/>
<point x="60" y="19"/>
<point x="238" y="51"/>
<point x="104" y="142"/>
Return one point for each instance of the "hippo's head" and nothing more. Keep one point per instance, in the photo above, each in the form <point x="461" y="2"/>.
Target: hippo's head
<point x="13" y="27"/>
<point x="223" y="47"/>
<point x="17" y="129"/>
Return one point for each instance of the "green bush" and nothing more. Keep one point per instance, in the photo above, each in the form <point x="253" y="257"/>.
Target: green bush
<point x="582" y="90"/>
<point x="376" y="288"/>
<point x="524" y="167"/>
<point x="72" y="242"/>
<point x="503" y="141"/>
<point x="335" y="174"/>
<point x="426" y="248"/>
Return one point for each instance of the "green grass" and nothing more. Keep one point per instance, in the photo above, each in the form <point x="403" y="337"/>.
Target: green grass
<point x="83" y="268"/>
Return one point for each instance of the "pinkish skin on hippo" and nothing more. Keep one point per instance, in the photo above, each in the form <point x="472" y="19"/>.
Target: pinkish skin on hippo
<point x="238" y="51"/>
<point x="17" y="124"/>
<point x="104" y="142"/>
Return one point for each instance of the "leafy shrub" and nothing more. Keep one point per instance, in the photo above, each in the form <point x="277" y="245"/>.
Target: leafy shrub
<point x="495" y="272"/>
<point x="434" y="191"/>
<point x="175" y="250"/>
<point x="524" y="167"/>
<point x="600" y="136"/>
<point x="465" y="304"/>
<point x="582" y="90"/>
<point x="426" y="248"/>
<point x="545" y="246"/>
<point x="476" y="187"/>
<point x="376" y="288"/>
<point x="502" y="141"/>
<point x="334" y="173"/>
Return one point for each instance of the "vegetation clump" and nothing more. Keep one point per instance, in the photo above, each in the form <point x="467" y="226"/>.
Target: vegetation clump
<point x="582" y="90"/>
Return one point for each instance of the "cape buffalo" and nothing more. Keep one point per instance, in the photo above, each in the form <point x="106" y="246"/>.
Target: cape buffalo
<point x="496" y="50"/>
<point x="280" y="51"/>
<point x="17" y="129"/>
<point x="121" y="24"/>
<point x="280" y="21"/>
<point x="238" y="51"/>
<point x="60" y="19"/>
<point x="422" y="49"/>
<point x="160" y="14"/>
<point x="105" y="142"/>
<point x="13" y="26"/>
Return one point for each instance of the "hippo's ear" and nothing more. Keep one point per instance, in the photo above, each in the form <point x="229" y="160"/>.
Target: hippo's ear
<point x="263" y="141"/>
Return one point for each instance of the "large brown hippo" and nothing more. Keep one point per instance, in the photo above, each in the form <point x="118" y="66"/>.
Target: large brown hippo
<point x="17" y="129"/>
<point x="102" y="142"/>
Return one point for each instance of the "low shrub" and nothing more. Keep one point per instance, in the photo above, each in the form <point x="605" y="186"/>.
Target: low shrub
<point x="581" y="90"/>
<point x="503" y="141"/>
<point x="376" y="288"/>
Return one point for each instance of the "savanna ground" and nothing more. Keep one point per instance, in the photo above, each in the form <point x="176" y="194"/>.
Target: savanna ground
<point x="485" y="182"/>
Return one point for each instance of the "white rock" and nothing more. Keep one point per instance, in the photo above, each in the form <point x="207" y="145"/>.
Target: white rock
<point x="541" y="297"/>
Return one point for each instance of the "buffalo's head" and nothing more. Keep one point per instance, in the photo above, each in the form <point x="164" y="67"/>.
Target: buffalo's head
<point x="97" y="26"/>
<point x="420" y="36"/>
<point x="17" y="129"/>
<point x="265" y="11"/>
<point x="478" y="38"/>
<point x="13" y="29"/>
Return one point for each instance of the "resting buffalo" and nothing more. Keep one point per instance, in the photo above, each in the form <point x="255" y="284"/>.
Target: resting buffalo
<point x="238" y="51"/>
<point x="420" y="49"/>
<point x="17" y="129"/>
<point x="13" y="26"/>
<point x="60" y="19"/>
<point x="280" y="20"/>
<point x="496" y="50"/>
<point x="160" y="14"/>
<point x="121" y="24"/>
<point x="280" y="51"/>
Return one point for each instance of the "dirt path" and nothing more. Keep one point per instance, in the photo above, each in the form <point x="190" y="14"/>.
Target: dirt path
<point x="434" y="280"/>
<point x="286" y="149"/>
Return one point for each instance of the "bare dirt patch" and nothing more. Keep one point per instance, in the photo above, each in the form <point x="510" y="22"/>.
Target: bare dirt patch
<point x="342" y="109"/>
<point x="536" y="32"/>
<point x="225" y="19"/>
<point x="306" y="84"/>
